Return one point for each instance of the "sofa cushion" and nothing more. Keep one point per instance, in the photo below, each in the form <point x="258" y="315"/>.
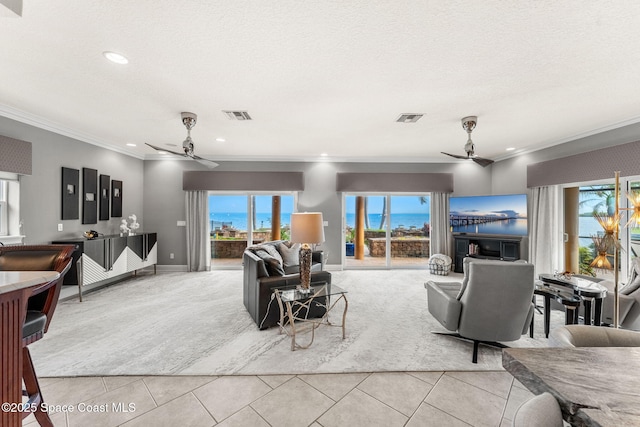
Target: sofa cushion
<point x="274" y="267"/>
<point x="290" y="255"/>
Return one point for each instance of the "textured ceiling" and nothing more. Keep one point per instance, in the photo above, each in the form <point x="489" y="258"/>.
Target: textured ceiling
<point x="323" y="76"/>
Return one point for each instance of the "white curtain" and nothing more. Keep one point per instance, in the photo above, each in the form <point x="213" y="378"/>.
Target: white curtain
<point x="440" y="235"/>
<point x="198" y="239"/>
<point x="545" y="230"/>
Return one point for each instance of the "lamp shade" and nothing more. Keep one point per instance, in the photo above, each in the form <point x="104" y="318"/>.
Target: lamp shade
<point x="307" y="227"/>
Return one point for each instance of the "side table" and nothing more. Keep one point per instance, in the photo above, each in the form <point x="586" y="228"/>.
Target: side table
<point x="570" y="301"/>
<point x="295" y="304"/>
<point x="584" y="288"/>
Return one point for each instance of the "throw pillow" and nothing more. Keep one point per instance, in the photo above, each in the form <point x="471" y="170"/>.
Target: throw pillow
<point x="274" y="267"/>
<point x="290" y="255"/>
<point x="271" y="250"/>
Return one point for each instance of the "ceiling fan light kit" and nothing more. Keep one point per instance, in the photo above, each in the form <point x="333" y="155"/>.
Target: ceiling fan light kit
<point x="469" y="124"/>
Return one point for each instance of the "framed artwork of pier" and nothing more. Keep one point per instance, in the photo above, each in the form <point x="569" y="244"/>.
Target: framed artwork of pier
<point x="495" y="214"/>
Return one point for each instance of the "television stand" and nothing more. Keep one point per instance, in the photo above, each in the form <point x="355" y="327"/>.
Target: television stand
<point x="503" y="248"/>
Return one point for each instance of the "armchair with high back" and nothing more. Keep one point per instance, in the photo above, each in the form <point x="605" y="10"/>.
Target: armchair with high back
<point x="493" y="303"/>
<point x="40" y="306"/>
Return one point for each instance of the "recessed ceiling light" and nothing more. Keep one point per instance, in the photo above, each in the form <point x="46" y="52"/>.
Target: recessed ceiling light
<point x="162" y="152"/>
<point x="324" y="154"/>
<point x="220" y="139"/>
<point x="131" y="145"/>
<point x="511" y="148"/>
<point x="116" y="58"/>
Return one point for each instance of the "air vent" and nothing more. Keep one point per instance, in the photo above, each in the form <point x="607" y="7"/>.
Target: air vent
<point x="237" y="115"/>
<point x="409" y="118"/>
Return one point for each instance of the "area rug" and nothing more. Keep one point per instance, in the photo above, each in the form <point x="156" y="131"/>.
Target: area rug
<point x="196" y="324"/>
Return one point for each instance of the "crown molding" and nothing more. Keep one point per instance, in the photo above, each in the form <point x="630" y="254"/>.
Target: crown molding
<point x="48" y="125"/>
<point x="575" y="137"/>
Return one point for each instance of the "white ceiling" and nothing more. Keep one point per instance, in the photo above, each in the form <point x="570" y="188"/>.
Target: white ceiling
<point x="323" y="76"/>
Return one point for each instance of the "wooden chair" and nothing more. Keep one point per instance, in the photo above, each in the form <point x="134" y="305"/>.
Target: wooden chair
<point x="40" y="307"/>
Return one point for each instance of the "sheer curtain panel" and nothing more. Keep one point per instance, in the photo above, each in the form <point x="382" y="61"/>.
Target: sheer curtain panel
<point x="198" y="233"/>
<point x="545" y="236"/>
<point x="440" y="235"/>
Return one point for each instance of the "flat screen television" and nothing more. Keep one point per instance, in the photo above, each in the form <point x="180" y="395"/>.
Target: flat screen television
<point x="497" y="214"/>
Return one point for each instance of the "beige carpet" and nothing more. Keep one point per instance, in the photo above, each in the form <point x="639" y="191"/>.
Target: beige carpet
<point x="196" y="324"/>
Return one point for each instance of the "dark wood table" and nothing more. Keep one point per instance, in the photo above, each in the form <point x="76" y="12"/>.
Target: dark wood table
<point x="595" y="386"/>
<point x="15" y="289"/>
<point x="584" y="288"/>
<point x="567" y="298"/>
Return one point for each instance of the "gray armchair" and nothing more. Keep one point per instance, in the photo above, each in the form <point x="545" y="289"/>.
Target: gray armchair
<point x="592" y="336"/>
<point x="629" y="315"/>
<point x="493" y="302"/>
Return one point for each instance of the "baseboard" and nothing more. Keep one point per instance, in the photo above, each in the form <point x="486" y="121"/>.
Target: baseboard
<point x="171" y="267"/>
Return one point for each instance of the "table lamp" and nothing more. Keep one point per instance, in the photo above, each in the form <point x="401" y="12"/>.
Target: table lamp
<point x="306" y="228"/>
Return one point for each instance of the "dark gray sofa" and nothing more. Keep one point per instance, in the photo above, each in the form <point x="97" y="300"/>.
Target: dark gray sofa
<point x="259" y="282"/>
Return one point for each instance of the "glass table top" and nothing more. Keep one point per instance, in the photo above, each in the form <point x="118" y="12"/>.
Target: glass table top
<point x="294" y="293"/>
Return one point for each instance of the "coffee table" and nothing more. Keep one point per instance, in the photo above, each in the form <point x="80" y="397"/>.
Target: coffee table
<point x="295" y="305"/>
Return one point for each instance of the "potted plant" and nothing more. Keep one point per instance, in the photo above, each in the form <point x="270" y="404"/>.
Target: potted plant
<point x="349" y="236"/>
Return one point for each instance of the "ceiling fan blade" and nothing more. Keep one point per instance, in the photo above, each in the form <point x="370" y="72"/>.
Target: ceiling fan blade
<point x="165" y="150"/>
<point x="482" y="161"/>
<point x="208" y="163"/>
<point x="455" y="155"/>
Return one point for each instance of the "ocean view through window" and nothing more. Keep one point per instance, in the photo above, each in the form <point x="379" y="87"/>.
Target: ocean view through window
<point x="240" y="220"/>
<point x="395" y="228"/>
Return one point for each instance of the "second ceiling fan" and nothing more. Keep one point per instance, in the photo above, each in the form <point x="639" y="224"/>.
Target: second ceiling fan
<point x="468" y="124"/>
<point x="189" y="121"/>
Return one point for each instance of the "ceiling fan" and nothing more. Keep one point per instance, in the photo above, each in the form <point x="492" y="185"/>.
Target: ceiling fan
<point x="468" y="124"/>
<point x="189" y="121"/>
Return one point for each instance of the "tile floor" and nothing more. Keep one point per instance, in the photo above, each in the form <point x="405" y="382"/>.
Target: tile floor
<point x="386" y="399"/>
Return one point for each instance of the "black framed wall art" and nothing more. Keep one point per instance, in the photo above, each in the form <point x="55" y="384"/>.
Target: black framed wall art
<point x="69" y="193"/>
<point x="116" y="198"/>
<point x="89" y="196"/>
<point x="105" y="180"/>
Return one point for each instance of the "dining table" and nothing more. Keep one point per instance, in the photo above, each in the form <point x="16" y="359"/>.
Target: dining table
<point x="15" y="289"/>
<point x="594" y="386"/>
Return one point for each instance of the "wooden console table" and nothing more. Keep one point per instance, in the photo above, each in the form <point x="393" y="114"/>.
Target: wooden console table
<point x="594" y="386"/>
<point x="15" y="289"/>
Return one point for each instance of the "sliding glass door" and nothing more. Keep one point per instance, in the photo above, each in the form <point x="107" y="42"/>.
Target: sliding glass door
<point x="239" y="220"/>
<point x="383" y="231"/>
<point x="599" y="199"/>
<point x="633" y="230"/>
<point x="409" y="222"/>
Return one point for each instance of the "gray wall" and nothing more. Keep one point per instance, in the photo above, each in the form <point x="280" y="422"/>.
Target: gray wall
<point x="164" y="198"/>
<point x="510" y="176"/>
<point x="153" y="189"/>
<point x="40" y="206"/>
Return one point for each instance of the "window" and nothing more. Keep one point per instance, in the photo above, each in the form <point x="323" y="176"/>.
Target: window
<point x="237" y="219"/>
<point x="601" y="199"/>
<point x="4" y="208"/>
<point x="593" y="199"/>
<point x="395" y="228"/>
